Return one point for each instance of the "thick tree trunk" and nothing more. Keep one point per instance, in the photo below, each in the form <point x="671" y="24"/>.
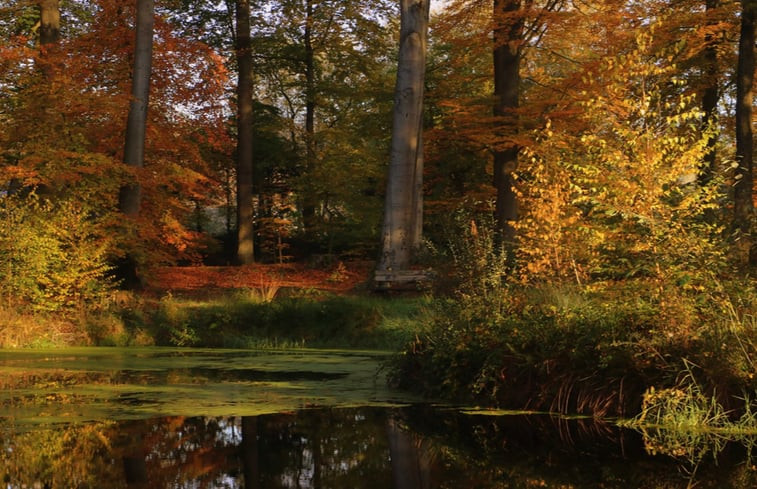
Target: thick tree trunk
<point x="743" y="188"/>
<point x="49" y="22"/>
<point x="134" y="150"/>
<point x="508" y="38"/>
<point x="401" y="231"/>
<point x="710" y="96"/>
<point x="245" y="210"/>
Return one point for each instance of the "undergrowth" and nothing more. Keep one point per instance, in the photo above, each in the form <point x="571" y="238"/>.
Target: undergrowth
<point x="246" y="319"/>
<point x="573" y="350"/>
<point x="578" y="346"/>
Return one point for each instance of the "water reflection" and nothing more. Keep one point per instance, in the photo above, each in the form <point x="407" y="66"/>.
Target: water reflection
<point x="418" y="447"/>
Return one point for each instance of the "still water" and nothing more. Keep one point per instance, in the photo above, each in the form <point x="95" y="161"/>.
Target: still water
<point x="166" y="418"/>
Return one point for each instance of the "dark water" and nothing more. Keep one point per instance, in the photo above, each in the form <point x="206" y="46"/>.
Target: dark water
<point x="309" y="419"/>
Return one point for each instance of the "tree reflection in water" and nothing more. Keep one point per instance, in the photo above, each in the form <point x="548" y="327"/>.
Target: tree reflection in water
<point x="401" y="448"/>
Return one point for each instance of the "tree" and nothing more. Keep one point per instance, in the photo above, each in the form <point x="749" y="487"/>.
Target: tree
<point x="134" y="150"/>
<point x="49" y="22"/>
<point x="325" y="64"/>
<point x="245" y="209"/>
<point x="64" y="135"/>
<point x="744" y="185"/>
<point x="710" y="95"/>
<point x="309" y="201"/>
<point x="508" y="43"/>
<point x="411" y="459"/>
<point x="403" y="209"/>
<point x="249" y="452"/>
<point x="130" y="194"/>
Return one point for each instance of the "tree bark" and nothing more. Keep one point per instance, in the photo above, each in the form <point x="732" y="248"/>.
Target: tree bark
<point x="710" y="96"/>
<point x="49" y="22"/>
<point x="49" y="35"/>
<point x="743" y="188"/>
<point x="245" y="210"/>
<point x="401" y="233"/>
<point x="309" y="199"/>
<point x="508" y="39"/>
<point x="134" y="150"/>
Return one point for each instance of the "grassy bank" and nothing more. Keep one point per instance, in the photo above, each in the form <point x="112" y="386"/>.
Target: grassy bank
<point x="244" y="318"/>
<point x="590" y="350"/>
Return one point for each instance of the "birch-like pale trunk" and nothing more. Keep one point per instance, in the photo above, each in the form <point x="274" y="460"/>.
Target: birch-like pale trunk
<point x="403" y="208"/>
<point x="130" y="196"/>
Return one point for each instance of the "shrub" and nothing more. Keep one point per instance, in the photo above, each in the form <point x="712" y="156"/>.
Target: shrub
<point x="52" y="255"/>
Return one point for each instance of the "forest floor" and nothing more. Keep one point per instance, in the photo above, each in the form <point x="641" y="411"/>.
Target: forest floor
<point x="340" y="278"/>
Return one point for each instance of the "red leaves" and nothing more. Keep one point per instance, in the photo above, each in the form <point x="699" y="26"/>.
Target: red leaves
<point x="197" y="279"/>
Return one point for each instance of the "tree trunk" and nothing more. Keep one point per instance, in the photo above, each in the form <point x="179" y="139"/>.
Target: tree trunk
<point x="245" y="210"/>
<point x="49" y="22"/>
<point x="309" y="198"/>
<point x="134" y="150"/>
<point x="709" y="96"/>
<point x="508" y="38"/>
<point x="743" y="188"/>
<point x="49" y="34"/>
<point x="401" y="233"/>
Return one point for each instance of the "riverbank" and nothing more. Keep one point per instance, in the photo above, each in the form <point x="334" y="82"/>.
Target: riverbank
<point x="254" y="306"/>
<point x="615" y="349"/>
<point x="604" y="349"/>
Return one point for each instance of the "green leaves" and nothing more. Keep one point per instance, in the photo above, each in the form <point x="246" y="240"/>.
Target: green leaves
<point x="52" y="255"/>
<point x="617" y="198"/>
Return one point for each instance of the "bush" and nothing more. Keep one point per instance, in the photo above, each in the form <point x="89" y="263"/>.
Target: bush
<point x="52" y="256"/>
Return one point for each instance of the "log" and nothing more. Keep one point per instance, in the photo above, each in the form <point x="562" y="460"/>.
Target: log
<point x="402" y="279"/>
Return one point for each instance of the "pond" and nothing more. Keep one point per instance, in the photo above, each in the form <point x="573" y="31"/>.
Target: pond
<point x="169" y="418"/>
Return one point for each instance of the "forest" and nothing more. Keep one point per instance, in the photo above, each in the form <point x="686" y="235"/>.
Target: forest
<point x="554" y="198"/>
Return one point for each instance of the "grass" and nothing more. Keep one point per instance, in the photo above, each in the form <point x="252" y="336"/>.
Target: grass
<point x="580" y="350"/>
<point x="684" y="423"/>
<point x="268" y="316"/>
<point x="20" y="329"/>
<point x="253" y="319"/>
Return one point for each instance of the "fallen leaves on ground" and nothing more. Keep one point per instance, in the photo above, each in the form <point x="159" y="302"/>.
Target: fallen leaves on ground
<point x="340" y="278"/>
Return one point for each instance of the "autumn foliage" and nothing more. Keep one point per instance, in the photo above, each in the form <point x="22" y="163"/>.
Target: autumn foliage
<point x="64" y="109"/>
<point x="621" y="172"/>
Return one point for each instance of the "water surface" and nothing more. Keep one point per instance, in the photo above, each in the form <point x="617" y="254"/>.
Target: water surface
<point x="167" y="418"/>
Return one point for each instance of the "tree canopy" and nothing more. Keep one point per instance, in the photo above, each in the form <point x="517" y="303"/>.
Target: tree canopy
<point x="608" y="139"/>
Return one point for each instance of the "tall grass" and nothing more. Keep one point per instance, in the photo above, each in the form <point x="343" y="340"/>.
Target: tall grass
<point x="685" y="423"/>
<point x="591" y="350"/>
<point x="257" y="318"/>
<point x="20" y="329"/>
